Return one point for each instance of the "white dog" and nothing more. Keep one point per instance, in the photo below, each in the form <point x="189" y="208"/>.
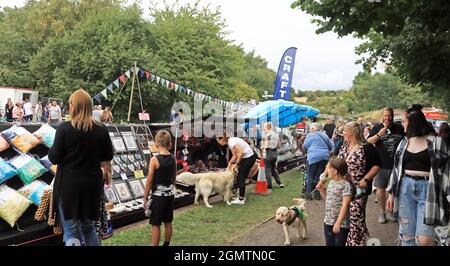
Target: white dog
<point x="207" y="183"/>
<point x="294" y="216"/>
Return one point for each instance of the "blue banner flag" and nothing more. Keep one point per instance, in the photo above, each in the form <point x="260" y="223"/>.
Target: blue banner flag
<point x="283" y="82"/>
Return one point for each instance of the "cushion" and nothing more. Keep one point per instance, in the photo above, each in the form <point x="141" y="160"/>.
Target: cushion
<point x="46" y="134"/>
<point x="27" y="168"/>
<point x="4" y="145"/>
<point x="34" y="191"/>
<point x="6" y="171"/>
<point x="24" y="141"/>
<point x="47" y="164"/>
<point x="12" y="205"/>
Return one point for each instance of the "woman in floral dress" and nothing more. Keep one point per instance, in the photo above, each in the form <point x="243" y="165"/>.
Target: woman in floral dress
<point x="363" y="164"/>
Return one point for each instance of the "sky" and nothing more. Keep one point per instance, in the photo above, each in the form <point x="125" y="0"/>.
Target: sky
<point x="323" y="61"/>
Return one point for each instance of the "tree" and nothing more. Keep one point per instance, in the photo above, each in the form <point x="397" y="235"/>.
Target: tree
<point x="243" y="92"/>
<point x="411" y="36"/>
<point x="57" y="46"/>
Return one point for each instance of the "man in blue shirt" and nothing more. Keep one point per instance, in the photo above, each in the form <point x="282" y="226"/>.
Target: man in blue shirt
<point x="317" y="146"/>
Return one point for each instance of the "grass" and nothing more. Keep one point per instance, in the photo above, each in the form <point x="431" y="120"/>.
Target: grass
<point x="201" y="226"/>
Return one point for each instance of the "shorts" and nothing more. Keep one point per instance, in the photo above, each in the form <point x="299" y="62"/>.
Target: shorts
<point x="382" y="178"/>
<point x="162" y="210"/>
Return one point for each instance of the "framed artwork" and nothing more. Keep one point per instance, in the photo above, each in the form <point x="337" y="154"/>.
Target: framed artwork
<point x="130" y="142"/>
<point x="143" y="181"/>
<point x="118" y="144"/>
<point x="122" y="190"/>
<point x="111" y="195"/>
<point x="137" y="165"/>
<point x="136" y="187"/>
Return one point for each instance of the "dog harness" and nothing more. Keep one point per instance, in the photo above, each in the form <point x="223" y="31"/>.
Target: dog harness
<point x="298" y="214"/>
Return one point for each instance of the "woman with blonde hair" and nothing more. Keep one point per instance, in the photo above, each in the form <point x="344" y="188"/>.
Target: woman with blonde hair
<point x="79" y="148"/>
<point x="363" y="164"/>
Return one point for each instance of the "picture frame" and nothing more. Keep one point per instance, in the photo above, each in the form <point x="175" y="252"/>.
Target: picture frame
<point x="136" y="188"/>
<point x="111" y="195"/>
<point x="143" y="180"/>
<point x="122" y="190"/>
<point x="118" y="144"/>
<point x="130" y="141"/>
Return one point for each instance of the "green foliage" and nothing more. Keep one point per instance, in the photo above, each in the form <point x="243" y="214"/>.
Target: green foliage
<point x="411" y="37"/>
<point x="243" y="92"/>
<point x="369" y="93"/>
<point x="58" y="46"/>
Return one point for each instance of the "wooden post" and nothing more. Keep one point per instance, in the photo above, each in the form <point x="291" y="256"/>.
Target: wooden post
<point x="132" y="89"/>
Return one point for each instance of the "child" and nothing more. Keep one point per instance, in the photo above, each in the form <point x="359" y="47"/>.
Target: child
<point x="338" y="196"/>
<point x="101" y="225"/>
<point x="161" y="181"/>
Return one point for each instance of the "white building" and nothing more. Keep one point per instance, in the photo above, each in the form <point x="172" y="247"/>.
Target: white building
<point x="17" y="95"/>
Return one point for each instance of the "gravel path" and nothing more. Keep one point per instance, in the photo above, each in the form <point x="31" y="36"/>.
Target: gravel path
<point x="271" y="233"/>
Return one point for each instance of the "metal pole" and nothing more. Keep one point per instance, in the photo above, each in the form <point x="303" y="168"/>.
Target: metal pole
<point x="132" y="88"/>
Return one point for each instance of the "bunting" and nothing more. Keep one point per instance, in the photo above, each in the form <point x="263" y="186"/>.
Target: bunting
<point x="160" y="81"/>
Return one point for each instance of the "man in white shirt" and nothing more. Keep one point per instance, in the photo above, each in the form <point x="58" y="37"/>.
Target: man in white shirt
<point x="54" y="113"/>
<point x="28" y="111"/>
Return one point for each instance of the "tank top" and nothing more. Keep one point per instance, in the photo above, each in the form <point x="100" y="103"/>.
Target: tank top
<point x="166" y="173"/>
<point x="419" y="161"/>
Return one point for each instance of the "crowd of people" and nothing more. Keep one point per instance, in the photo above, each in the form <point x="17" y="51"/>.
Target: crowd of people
<point x="53" y="112"/>
<point x="406" y="164"/>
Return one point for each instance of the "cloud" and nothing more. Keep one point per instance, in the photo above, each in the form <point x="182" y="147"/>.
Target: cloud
<point x="331" y="80"/>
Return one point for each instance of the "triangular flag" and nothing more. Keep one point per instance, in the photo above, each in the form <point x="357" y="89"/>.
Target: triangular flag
<point x="122" y="78"/>
<point x="104" y="93"/>
<point x="163" y="81"/>
<point x="116" y="83"/>
<point x="176" y="86"/>
<point x="182" y="89"/>
<point x="136" y="69"/>
<point x="128" y="73"/>
<point x="98" y="98"/>
<point x="110" y="88"/>
<point x="168" y="84"/>
<point x="153" y="77"/>
<point x="188" y="91"/>
<point x="147" y="74"/>
<point x="141" y="73"/>
<point x="158" y="79"/>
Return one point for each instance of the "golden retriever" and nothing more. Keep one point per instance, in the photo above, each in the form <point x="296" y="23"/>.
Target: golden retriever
<point x="294" y="216"/>
<point x="207" y="183"/>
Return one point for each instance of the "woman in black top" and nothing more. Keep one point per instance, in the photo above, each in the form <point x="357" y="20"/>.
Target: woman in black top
<point x="79" y="147"/>
<point x="9" y="110"/>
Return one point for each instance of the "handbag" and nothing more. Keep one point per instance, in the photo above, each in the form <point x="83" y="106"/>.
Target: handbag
<point x="104" y="225"/>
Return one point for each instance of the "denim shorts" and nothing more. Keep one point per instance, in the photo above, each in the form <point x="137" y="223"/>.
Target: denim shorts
<point x="413" y="194"/>
<point x="381" y="180"/>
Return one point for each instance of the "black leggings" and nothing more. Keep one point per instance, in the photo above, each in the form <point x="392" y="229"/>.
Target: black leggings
<point x="244" y="168"/>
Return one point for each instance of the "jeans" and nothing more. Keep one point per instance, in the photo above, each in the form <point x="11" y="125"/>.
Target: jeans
<point x="413" y="194"/>
<point x="270" y="168"/>
<point x="77" y="232"/>
<point x="332" y="239"/>
<point x="313" y="173"/>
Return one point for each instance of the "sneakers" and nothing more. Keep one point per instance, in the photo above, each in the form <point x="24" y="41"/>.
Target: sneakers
<point x="306" y="196"/>
<point x="382" y="218"/>
<point x="281" y="185"/>
<point x="238" y="201"/>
